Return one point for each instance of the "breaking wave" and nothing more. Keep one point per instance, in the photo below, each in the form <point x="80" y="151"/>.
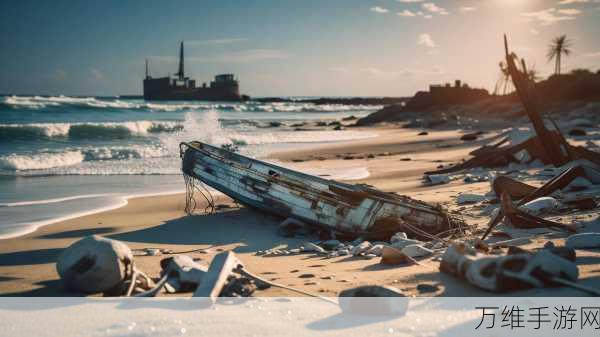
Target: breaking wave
<point x="50" y="160"/>
<point x="41" y="102"/>
<point x="157" y="155"/>
<point x="85" y="130"/>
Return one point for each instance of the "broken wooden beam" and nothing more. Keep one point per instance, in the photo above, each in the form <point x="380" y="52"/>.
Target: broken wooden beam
<point x="215" y="279"/>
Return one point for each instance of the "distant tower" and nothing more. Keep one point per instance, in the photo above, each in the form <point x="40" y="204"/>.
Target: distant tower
<point x="179" y="73"/>
<point x="147" y="73"/>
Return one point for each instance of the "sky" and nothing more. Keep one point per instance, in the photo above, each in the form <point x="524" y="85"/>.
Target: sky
<point x="284" y="48"/>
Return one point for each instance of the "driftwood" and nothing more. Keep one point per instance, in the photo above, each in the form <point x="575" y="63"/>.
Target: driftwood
<point x="215" y="279"/>
<point x="509" y="189"/>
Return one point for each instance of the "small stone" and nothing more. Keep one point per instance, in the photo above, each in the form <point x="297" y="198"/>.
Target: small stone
<point x="416" y="251"/>
<point x="330" y="244"/>
<point x="343" y="252"/>
<point x="427" y="288"/>
<point x="311" y="247"/>
<point x="370" y="256"/>
<point x="399" y="244"/>
<point x="311" y="283"/>
<point x="398" y="236"/>
<point x="375" y="250"/>
<point x="328" y="277"/>
<point x="306" y="275"/>
<point x="363" y="247"/>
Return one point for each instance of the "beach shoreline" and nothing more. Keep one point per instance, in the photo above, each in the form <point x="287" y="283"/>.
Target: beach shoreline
<point x="395" y="160"/>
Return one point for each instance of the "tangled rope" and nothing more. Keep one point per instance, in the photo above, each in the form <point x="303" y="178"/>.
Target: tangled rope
<point x="192" y="187"/>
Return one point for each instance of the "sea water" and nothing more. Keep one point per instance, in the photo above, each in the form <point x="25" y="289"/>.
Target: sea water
<point x="62" y="157"/>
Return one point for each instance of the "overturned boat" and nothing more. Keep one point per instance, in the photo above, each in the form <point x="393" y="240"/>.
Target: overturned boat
<point x="346" y="210"/>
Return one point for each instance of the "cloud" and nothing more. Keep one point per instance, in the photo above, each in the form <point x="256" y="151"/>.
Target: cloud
<point x="594" y="54"/>
<point x="242" y="56"/>
<point x="426" y="40"/>
<point x="569" y="11"/>
<point x="467" y="9"/>
<point x="568" y="2"/>
<point x="431" y="7"/>
<point x="229" y="40"/>
<point x="549" y="16"/>
<point x="374" y="72"/>
<point x="96" y="74"/>
<point x="406" y="13"/>
<point x="378" y="9"/>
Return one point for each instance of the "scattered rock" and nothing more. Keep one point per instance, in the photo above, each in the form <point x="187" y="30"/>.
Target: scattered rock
<point x="94" y="264"/>
<point x="362" y="248"/>
<point x="311" y="247"/>
<point x="470" y="136"/>
<point x="398" y="237"/>
<point x="423" y="133"/>
<point x="338" y="128"/>
<point x="469" y="198"/>
<point x="436" y="179"/>
<point x="306" y="275"/>
<point x="425" y="288"/>
<point x="391" y="255"/>
<point x="540" y="206"/>
<point x="330" y="244"/>
<point x="375" y="250"/>
<point x="577" y="132"/>
<point x="401" y="243"/>
<point x="416" y="251"/>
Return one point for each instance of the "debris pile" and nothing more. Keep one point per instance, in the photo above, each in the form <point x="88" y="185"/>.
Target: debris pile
<point x="516" y="270"/>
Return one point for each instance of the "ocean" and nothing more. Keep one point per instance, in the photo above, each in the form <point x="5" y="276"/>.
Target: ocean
<point x="63" y="157"/>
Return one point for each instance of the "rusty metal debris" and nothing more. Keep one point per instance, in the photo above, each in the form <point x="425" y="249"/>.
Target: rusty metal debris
<point x="517" y="270"/>
<point x="548" y="146"/>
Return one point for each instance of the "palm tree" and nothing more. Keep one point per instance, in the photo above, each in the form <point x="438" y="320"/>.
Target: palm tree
<point x="560" y="46"/>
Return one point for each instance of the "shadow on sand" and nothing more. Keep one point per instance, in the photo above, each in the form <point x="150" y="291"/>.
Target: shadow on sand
<point x="253" y="230"/>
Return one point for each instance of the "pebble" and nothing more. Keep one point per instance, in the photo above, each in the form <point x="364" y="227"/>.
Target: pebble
<point x="343" y="252"/>
<point x="311" y="247"/>
<point x="363" y="247"/>
<point x="375" y="250"/>
<point x="416" y="251"/>
<point x="427" y="288"/>
<point x="306" y="275"/>
<point x="399" y="244"/>
<point x="330" y="244"/>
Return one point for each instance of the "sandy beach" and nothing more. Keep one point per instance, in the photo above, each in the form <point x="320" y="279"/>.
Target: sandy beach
<point x="396" y="161"/>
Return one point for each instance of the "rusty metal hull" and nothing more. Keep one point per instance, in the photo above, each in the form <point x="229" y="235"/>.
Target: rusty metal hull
<point x="353" y="210"/>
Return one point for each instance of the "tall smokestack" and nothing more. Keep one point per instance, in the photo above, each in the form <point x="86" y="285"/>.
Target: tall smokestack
<point x="180" y="71"/>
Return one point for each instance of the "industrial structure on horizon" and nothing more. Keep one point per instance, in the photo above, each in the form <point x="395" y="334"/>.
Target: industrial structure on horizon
<point x="223" y="88"/>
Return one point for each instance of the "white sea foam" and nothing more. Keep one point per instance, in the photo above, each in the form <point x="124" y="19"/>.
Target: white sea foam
<point x="39" y="102"/>
<point x="40" y="161"/>
<point x="88" y="130"/>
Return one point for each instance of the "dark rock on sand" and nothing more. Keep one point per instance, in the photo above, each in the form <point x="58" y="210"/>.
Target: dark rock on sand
<point x="577" y="132"/>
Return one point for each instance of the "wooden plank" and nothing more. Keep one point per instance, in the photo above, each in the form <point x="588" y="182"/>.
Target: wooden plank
<point x="215" y="278"/>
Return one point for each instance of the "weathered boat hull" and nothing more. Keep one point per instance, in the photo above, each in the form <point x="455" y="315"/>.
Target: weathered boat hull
<point x="352" y="210"/>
